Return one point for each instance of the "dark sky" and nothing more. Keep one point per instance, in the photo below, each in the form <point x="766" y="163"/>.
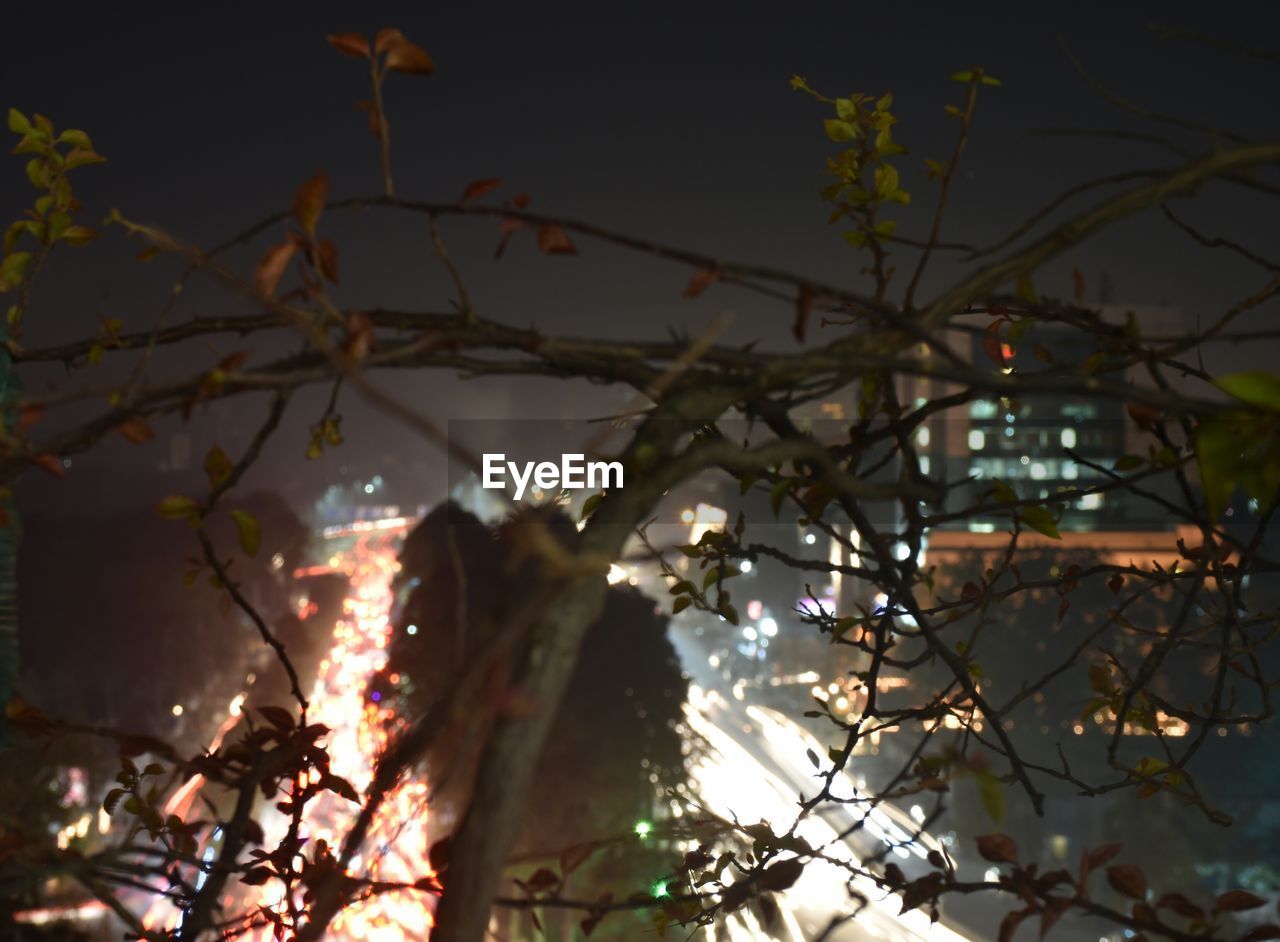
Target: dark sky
<point x="670" y="121"/>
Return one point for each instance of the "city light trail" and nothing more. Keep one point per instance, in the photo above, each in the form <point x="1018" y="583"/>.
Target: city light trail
<point x="396" y="848"/>
<point x="736" y="782"/>
<point x="756" y="780"/>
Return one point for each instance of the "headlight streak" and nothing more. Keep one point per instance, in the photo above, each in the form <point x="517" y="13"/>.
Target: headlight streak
<point x="736" y="784"/>
<point x="398" y="841"/>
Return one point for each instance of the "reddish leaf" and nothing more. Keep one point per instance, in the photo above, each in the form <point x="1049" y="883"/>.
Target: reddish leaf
<point x="998" y="848"/>
<point x="702" y="279"/>
<point x="571" y="858"/>
<point x="520" y="200"/>
<point x="918" y="892"/>
<point x="136" y="430"/>
<point x="272" y="266"/>
<point x="256" y="877"/>
<point x="340" y="786"/>
<point x="51" y="463"/>
<point x="508" y="228"/>
<point x="1077" y="279"/>
<point x="386" y="38"/>
<point x="1115" y="583"/>
<point x="1180" y="905"/>
<point x="970" y="592"/>
<point x="429" y="885"/>
<point x="404" y="56"/>
<point x="478" y="188"/>
<point x="782" y="875"/>
<point x="1236" y="901"/>
<point x="542" y="879"/>
<point x="553" y="241"/>
<point x="1144" y="415"/>
<point x="233" y="361"/>
<point x="327" y="260"/>
<point x="1052" y="912"/>
<point x="359" y="335"/>
<point x="1009" y="924"/>
<point x="805" y="299"/>
<point x="1128" y="879"/>
<point x="1099" y="855"/>
<point x="308" y="201"/>
<point x="351" y="44"/>
<point x="278" y="717"/>
<point x="438" y="855"/>
<point x="29" y="416"/>
<point x="375" y="124"/>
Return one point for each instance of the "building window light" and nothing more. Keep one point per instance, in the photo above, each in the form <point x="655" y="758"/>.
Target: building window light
<point x="1068" y="438"/>
<point x="922" y="436"/>
<point x="1038" y="470"/>
<point x="1069" y="470"/>
<point x="976" y="439"/>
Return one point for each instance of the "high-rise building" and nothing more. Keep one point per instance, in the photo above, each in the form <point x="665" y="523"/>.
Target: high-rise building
<point x="1044" y="445"/>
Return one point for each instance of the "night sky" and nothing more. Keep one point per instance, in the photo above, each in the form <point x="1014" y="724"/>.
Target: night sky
<point x="674" y="122"/>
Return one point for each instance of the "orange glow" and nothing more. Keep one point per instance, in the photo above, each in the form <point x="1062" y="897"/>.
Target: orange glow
<point x="396" y="848"/>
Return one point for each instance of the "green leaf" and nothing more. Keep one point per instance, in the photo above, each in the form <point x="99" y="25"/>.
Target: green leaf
<point x="81" y="157"/>
<point x="886" y="181"/>
<point x="963" y="76"/>
<point x="846" y="109"/>
<point x="839" y="130"/>
<point x="1218" y="456"/>
<point x="992" y="81"/>
<point x="1004" y="494"/>
<point x="779" y="492"/>
<point x="991" y="793"/>
<point x="217" y="465"/>
<point x="249" y="531"/>
<point x="1099" y="680"/>
<point x="177" y="507"/>
<point x="18" y="122"/>
<point x="1128" y="463"/>
<point x="681" y="604"/>
<point x="76" y="138"/>
<point x="1026" y="290"/>
<point x="843" y="627"/>
<point x="1256" y="388"/>
<point x="589" y="505"/>
<point x="76" y="236"/>
<point x="1040" y="520"/>
<point x="14" y="267"/>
